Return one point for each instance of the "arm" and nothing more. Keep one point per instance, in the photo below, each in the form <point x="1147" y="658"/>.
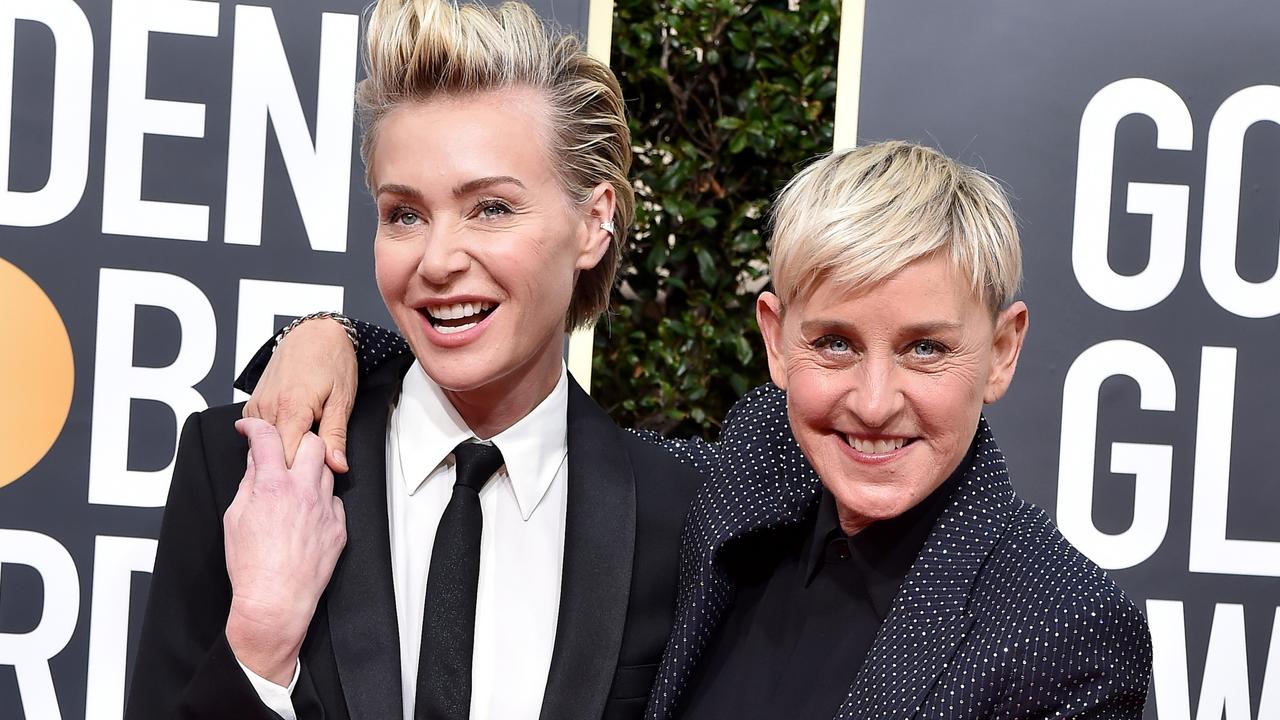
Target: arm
<point x="377" y="345"/>
<point x="312" y="377"/>
<point x="234" y="593"/>
<point x="1086" y="662"/>
<point x="184" y="667"/>
<point x="698" y="453"/>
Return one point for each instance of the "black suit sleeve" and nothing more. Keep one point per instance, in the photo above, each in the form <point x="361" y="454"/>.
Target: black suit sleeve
<point x="696" y="452"/>
<point x="184" y="666"/>
<point x="377" y="346"/>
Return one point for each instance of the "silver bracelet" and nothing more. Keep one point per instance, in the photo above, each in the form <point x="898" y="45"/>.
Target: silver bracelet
<point x="339" y="318"/>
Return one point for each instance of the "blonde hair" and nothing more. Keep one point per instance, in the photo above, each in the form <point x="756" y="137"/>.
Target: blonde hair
<point x="857" y="217"/>
<point x="420" y="49"/>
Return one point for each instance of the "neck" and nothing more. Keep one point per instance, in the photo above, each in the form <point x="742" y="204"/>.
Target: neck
<point x="498" y="405"/>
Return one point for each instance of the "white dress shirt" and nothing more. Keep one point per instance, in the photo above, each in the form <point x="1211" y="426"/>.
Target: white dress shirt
<point x="521" y="547"/>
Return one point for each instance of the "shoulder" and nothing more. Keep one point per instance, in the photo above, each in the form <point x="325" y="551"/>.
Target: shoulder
<point x="220" y="419"/>
<point x="1032" y="548"/>
<point x="654" y="463"/>
<point x="212" y="453"/>
<point x="215" y="428"/>
<point x="1068" y="637"/>
<point x="1034" y="573"/>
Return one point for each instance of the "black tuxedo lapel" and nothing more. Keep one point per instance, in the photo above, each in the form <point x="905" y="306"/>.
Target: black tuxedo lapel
<point x="930" y="615"/>
<point x="361" y="597"/>
<point x="599" y="547"/>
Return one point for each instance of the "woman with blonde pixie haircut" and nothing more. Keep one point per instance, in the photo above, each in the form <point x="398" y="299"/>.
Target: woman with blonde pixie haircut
<point x="862" y="523"/>
<point x="857" y="550"/>
<point x="494" y="546"/>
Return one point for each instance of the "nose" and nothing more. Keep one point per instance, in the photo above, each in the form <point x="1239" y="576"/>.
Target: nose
<point x="876" y="396"/>
<point x="444" y="255"/>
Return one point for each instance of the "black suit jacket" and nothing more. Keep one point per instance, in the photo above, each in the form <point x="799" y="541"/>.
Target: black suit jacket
<point x="999" y="617"/>
<point x="626" y="503"/>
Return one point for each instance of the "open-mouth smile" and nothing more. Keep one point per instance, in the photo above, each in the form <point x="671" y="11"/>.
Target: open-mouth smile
<point x="458" y="317"/>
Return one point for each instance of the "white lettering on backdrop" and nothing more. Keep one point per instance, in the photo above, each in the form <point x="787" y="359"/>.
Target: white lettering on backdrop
<point x="1225" y="685"/>
<point x="263" y="94"/>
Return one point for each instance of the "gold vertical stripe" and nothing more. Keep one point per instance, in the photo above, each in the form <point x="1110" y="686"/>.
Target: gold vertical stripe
<point x="579" y="358"/>
<point x="849" y="73"/>
<point x="599" y="44"/>
<point x="600" y="29"/>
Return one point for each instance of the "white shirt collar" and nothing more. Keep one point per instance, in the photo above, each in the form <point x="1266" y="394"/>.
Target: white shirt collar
<point x="428" y="428"/>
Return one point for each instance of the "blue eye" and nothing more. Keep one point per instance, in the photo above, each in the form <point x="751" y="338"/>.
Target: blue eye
<point x="833" y="343"/>
<point x="927" y="349"/>
<point x="404" y="217"/>
<point x="493" y="209"/>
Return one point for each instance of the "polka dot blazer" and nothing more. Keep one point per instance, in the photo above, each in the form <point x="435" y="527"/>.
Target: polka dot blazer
<point x="1000" y="617"/>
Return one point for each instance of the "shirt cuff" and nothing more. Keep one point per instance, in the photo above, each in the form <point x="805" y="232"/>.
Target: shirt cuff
<point x="279" y="699"/>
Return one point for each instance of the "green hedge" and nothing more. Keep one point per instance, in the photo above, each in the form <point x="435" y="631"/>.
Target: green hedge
<point x="727" y="100"/>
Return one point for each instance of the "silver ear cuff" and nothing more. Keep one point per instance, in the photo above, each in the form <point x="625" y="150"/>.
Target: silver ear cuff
<point x="608" y="227"/>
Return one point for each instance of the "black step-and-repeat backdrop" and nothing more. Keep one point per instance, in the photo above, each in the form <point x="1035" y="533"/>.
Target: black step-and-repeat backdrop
<point x="176" y="177"/>
<point x="1141" y="141"/>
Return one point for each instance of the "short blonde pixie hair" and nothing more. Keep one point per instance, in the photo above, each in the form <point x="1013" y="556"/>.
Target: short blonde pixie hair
<point x="421" y="49"/>
<point x="858" y="216"/>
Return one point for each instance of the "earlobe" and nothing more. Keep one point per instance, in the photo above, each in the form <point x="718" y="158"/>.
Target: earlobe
<point x="769" y="317"/>
<point x="598" y="237"/>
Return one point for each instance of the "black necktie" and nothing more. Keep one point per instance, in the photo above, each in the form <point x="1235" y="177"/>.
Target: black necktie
<point x="449" y="616"/>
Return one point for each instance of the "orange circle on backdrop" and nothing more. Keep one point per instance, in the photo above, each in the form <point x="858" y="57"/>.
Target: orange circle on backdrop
<point x="37" y="373"/>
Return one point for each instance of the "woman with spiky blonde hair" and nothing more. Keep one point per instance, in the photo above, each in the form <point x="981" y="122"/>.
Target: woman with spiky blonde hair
<point x="494" y="547"/>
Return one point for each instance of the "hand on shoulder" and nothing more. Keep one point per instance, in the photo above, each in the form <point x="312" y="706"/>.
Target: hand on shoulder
<point x="311" y="376"/>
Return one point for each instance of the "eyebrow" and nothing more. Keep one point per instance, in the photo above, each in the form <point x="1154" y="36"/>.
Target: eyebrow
<point x="933" y="327"/>
<point x="462" y="190"/>
<point x="471" y="186"/>
<point x="397" y="189"/>
<point x="923" y="328"/>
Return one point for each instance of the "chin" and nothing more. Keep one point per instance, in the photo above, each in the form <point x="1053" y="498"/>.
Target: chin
<point x="871" y="503"/>
<point x="456" y="374"/>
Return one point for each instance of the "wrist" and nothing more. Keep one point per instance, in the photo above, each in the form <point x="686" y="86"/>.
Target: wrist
<point x="338" y="319"/>
<point x="269" y="648"/>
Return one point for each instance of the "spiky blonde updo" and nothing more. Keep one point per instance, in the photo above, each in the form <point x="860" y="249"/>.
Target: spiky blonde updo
<point x="420" y="49"/>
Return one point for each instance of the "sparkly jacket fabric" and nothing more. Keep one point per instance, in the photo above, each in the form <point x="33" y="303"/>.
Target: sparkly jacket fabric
<point x="1000" y="617"/>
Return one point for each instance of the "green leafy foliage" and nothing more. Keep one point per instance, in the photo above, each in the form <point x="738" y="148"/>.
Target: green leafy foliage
<point x="727" y="100"/>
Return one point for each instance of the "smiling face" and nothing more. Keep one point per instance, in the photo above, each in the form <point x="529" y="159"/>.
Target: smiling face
<point x="478" y="247"/>
<point x="885" y="385"/>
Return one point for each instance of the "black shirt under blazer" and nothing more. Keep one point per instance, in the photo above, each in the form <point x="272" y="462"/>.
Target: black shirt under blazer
<point x="627" y="500"/>
<point x="999" y="617"/>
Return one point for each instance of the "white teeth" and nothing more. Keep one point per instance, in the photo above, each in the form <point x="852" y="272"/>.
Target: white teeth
<point x="445" y="330"/>
<point x="875" y="447"/>
<point x="458" y="311"/>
